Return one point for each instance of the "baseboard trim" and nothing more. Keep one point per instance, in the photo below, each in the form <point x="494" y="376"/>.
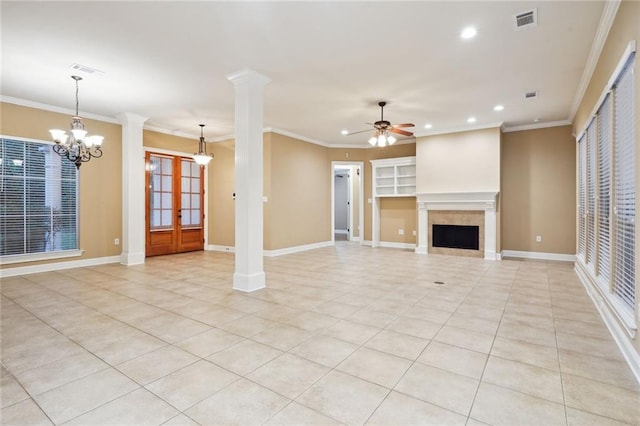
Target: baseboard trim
<point x="538" y="255"/>
<point x="390" y="244"/>
<point x="57" y="266"/>
<point x="297" y="249"/>
<point x="274" y="253"/>
<point x="618" y="332"/>
<point x="355" y="238"/>
<point x="226" y="249"/>
<point x="341" y="231"/>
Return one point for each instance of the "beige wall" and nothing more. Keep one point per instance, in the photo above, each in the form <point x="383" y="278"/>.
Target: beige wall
<point x="222" y="179"/>
<point x="459" y="162"/>
<point x="151" y="139"/>
<point x="395" y="214"/>
<point x="300" y="195"/>
<point x="538" y="190"/>
<point x="366" y="155"/>
<point x="100" y="179"/>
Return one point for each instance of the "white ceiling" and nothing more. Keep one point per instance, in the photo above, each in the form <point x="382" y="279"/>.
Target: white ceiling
<point x="329" y="62"/>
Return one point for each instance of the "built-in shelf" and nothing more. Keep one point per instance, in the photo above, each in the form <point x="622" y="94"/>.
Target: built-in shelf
<point x="392" y="177"/>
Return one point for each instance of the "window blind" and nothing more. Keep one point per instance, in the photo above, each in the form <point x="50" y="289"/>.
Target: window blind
<point x="591" y="192"/>
<point x="604" y="188"/>
<point x="38" y="199"/>
<point x="582" y="232"/>
<point x="624" y="187"/>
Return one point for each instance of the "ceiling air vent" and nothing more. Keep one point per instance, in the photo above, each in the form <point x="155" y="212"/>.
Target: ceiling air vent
<point x="87" y="70"/>
<point x="526" y="19"/>
<point x="531" y="95"/>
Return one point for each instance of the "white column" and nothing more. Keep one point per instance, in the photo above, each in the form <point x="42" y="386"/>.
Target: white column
<point x="490" y="233"/>
<point x="249" y="89"/>
<point x="133" y="198"/>
<point x="423" y="224"/>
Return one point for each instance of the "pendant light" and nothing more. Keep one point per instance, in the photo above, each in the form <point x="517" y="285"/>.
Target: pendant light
<point x="201" y="157"/>
<point x="77" y="147"/>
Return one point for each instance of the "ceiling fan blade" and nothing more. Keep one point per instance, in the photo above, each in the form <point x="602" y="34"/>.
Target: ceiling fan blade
<point x="400" y="132"/>
<point x="360" y="131"/>
<point x="404" y="125"/>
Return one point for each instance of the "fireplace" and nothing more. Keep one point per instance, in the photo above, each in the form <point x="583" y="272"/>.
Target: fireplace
<point x="468" y="209"/>
<point x="456" y="236"/>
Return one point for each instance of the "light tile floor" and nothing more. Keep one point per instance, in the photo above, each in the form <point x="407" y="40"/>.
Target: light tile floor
<point x="342" y="335"/>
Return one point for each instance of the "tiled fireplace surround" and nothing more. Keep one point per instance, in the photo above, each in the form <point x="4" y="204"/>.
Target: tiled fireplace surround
<point x="437" y="203"/>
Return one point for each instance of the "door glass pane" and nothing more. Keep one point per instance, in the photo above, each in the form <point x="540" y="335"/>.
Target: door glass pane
<point x="190" y="186"/>
<point x="160" y="196"/>
<point x="185" y="201"/>
<point x="166" y="218"/>
<point x="166" y="183"/>
<point x="167" y="167"/>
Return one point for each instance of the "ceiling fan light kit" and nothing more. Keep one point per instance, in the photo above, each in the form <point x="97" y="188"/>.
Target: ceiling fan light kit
<point x="383" y="129"/>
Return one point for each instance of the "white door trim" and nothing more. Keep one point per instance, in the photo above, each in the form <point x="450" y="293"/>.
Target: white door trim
<point x="353" y="165"/>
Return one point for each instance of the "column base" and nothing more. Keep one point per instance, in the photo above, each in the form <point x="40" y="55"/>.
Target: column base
<point x="421" y="250"/>
<point x="248" y="283"/>
<point x="129" y="259"/>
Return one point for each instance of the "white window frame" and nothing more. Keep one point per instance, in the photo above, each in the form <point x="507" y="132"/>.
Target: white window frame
<point x="47" y="255"/>
<point x="625" y="315"/>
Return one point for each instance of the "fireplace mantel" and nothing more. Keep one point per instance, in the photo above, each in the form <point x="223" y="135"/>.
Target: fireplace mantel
<point x="485" y="201"/>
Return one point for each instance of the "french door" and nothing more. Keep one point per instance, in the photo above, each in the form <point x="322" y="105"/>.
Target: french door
<point x="175" y="204"/>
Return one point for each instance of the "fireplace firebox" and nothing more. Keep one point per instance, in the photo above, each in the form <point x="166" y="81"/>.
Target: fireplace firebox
<point x="456" y="236"/>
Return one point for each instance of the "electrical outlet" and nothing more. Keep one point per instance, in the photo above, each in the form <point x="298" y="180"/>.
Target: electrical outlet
<point x="400" y="231"/>
<point x="414" y="232"/>
<point x="346" y="155"/>
<point x="538" y="238"/>
<point x="116" y="242"/>
<point x="369" y="200"/>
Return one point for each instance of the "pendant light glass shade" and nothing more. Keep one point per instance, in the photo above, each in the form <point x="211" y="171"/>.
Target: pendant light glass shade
<point x="201" y="157"/>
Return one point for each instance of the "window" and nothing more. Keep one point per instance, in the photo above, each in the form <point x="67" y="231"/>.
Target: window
<point x="607" y="195"/>
<point x="582" y="188"/>
<point x="38" y="199"/>
<point x="591" y="193"/>
<point x="604" y="188"/>
<point x="624" y="205"/>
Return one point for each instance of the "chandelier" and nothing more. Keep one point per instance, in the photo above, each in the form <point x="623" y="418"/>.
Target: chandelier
<point x="201" y="157"/>
<point x="76" y="147"/>
<point x="382" y="138"/>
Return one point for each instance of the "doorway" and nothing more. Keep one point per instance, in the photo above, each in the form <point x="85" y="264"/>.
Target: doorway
<point x="174" y="193"/>
<point x="342" y="204"/>
<point x="346" y="201"/>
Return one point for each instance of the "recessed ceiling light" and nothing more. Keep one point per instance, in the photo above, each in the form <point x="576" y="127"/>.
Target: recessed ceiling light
<point x="498" y="108"/>
<point x="345" y="132"/>
<point x="469" y="32"/>
<point x="428" y="126"/>
<point x="471" y="120"/>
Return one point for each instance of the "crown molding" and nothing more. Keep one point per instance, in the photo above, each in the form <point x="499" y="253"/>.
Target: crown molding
<point x="461" y="129"/>
<point x="536" y="126"/>
<point x="296" y="136"/>
<point x="171" y="132"/>
<point x="53" y="108"/>
<point x="606" y="21"/>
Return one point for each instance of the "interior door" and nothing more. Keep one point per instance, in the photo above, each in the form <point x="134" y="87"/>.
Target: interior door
<point x="174" y="200"/>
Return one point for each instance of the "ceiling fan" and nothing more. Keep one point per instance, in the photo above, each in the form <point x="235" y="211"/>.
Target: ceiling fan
<point x="382" y="130"/>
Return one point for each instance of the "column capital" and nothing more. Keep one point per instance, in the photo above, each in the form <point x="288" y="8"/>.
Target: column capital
<point x="131" y="118"/>
<point x="248" y="76"/>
